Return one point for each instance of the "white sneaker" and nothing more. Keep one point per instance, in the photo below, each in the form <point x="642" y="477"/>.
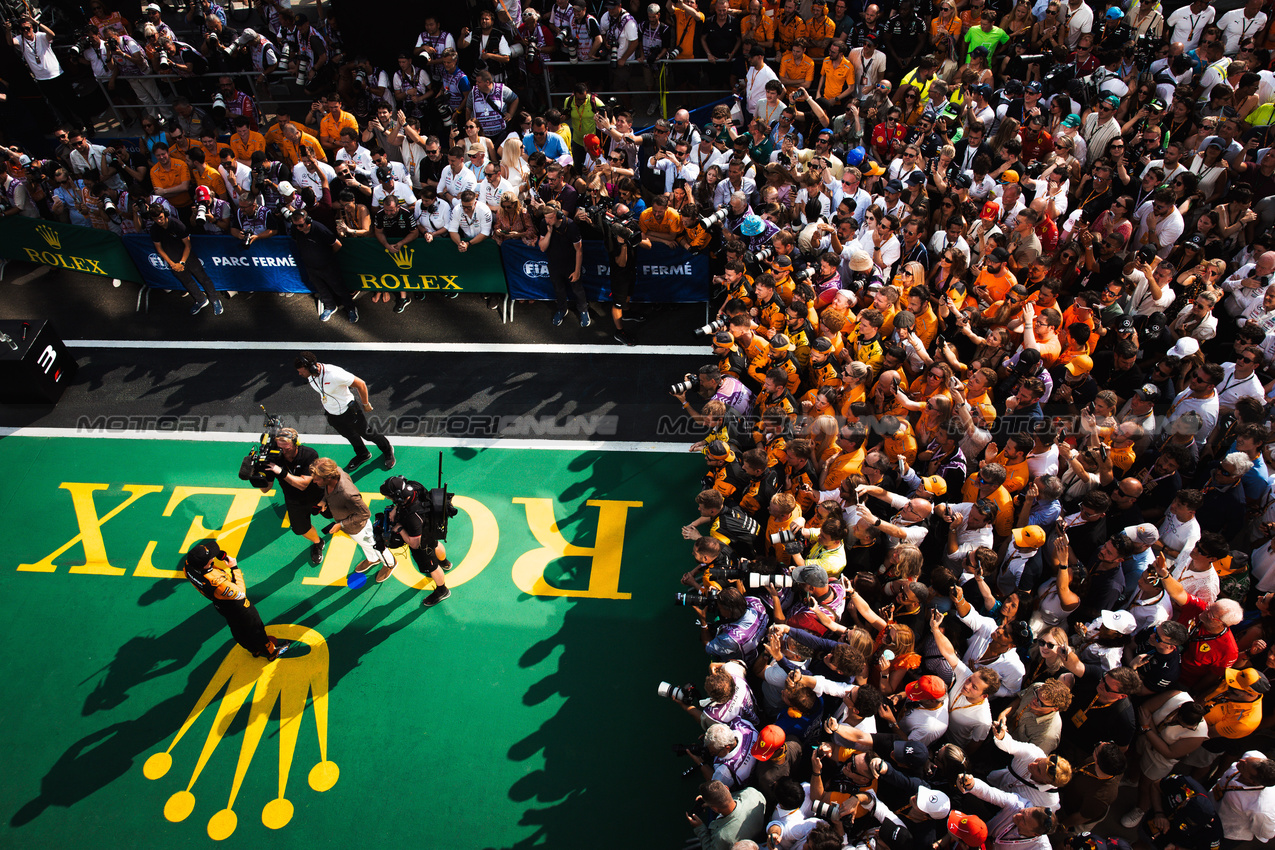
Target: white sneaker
<point x="115" y="282"/>
<point x="1132" y="818"/>
<point x="650" y="109"/>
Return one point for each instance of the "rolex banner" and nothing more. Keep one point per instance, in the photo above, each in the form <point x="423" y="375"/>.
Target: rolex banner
<point x="422" y="266"/>
<point x="67" y="246"/>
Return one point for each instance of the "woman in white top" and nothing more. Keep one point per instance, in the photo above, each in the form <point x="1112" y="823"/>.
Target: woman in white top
<point x="512" y="166"/>
<point x="1211" y="170"/>
<point x="1173" y="727"/>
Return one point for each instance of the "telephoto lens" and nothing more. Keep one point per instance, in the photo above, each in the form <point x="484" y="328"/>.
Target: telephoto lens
<point x="711" y="328"/>
<point x="690" y="383"/>
<point x="708" y="222"/>
<point x="765" y="580"/>
<point x="691" y="599"/>
<point x="673" y="692"/>
<point x="825" y="811"/>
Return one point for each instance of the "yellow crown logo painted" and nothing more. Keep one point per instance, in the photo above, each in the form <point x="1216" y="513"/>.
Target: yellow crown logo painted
<point x="287" y="681"/>
<point x="50" y="236"/>
<point x="403" y="258"/>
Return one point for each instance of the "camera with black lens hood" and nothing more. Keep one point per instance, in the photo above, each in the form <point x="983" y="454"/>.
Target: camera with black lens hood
<point x="255" y="468"/>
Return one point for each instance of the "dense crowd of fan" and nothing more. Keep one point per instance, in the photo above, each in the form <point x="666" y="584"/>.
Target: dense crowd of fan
<point x="987" y="524"/>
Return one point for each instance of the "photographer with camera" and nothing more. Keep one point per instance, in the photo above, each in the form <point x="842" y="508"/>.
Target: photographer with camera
<point x="254" y="220"/>
<point x="291" y="470"/>
<point x="420" y="518"/>
<point x="172" y="242"/>
<point x="35" y="44"/>
<point x="223" y="585"/>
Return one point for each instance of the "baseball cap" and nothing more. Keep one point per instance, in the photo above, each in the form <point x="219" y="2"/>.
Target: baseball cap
<point x="911" y="755"/>
<point x="770" y="741"/>
<point x="1156" y="105"/>
<point x="1033" y="87"/>
<point x="779" y="342"/>
<point x="893" y="187"/>
<point x="981" y="50"/>
<point x="1147" y="392"/>
<point x="821" y="344"/>
<point x="933" y="803"/>
<point x="872" y="168"/>
<point x="1144" y="533"/>
<point x="984" y="89"/>
<point x="962" y="181"/>
<point x="383" y="174"/>
<point x="926" y="687"/>
<point x="1248" y="679"/>
<point x="811" y="574"/>
<point x="916" y="178"/>
<point x="1184" y="348"/>
<point x="152" y="7"/>
<point x="934" y="484"/>
<point x="1115" y="13"/>
<point x="1029" y="537"/>
<point x="784" y="261"/>
<point x="1120" y="622"/>
<point x="999" y="255"/>
<point x="1196" y="240"/>
<point x="1125" y="325"/>
<point x="203" y="554"/>
<point x="593" y="144"/>
<point x="968" y="829"/>
<point x="1112" y="100"/>
<point x="286" y="188"/>
<point x="1072" y="120"/>
<point x="723" y="338"/>
<point x="1081" y="364"/>
<point x="991" y="210"/>
<point x="720" y="450"/>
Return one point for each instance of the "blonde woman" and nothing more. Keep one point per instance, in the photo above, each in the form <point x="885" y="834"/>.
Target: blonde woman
<point x="512" y="166"/>
<point x="512" y="221"/>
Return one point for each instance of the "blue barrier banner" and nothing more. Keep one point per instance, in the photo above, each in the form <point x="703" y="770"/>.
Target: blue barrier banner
<point x="665" y="275"/>
<point x="268" y="266"/>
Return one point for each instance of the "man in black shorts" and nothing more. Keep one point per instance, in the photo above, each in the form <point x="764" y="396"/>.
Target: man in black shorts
<point x="411" y="519"/>
<point x="300" y="494"/>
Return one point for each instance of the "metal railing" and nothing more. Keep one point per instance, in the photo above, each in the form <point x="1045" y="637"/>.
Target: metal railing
<point x="661" y="69"/>
<point x="275" y="78"/>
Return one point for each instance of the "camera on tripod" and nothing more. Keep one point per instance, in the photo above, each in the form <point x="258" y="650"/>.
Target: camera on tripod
<point x="255" y="467"/>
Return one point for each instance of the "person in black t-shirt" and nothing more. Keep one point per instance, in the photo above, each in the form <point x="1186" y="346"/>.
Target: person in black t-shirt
<point x="316" y="248"/>
<point x="394" y="227"/>
<point x="409" y="517"/>
<point x="173" y="244"/>
<point x="559" y="239"/>
<point x="301" y="495"/>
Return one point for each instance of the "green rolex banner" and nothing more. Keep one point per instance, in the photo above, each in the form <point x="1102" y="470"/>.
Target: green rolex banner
<point x="68" y="246"/>
<point x="422" y="266"/>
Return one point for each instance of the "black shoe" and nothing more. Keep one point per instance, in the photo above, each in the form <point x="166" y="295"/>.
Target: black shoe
<point x="390" y="460"/>
<point x="624" y="337"/>
<point x="402" y="304"/>
<point x="316" y="553"/>
<point x="357" y="462"/>
<point x="635" y="318"/>
<point x="439" y="594"/>
<point x="446" y="565"/>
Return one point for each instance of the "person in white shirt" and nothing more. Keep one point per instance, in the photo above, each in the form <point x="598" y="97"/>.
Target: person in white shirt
<point x="968" y="529"/>
<point x="1079" y="21"/>
<point x="390" y="186"/>
<point x="1179" y="530"/>
<point x="1245" y="796"/>
<point x="869" y="68"/>
<point x="1159" y="222"/>
<point x="471" y="221"/>
<point x="337" y="389"/>
<point x="925" y="716"/>
<point x="969" y="714"/>
<point x="1188" y="22"/>
<point x="1031" y="775"/>
<point x="1018" y="825"/>
<point x="493" y="188"/>
<point x="305" y="173"/>
<point x="359" y="157"/>
<point x="1196" y="320"/>
<point x="1239" y="380"/>
<point x="675" y="166"/>
<point x="759" y="73"/>
<point x="993" y="645"/>
<point x="35" y="43"/>
<point x="1239" y="24"/>
<point x="1199" y="396"/>
<point x="456" y="178"/>
<point x="433" y="217"/>
<point x="238" y="177"/>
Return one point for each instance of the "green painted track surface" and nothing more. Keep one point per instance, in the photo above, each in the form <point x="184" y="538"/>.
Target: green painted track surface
<point x="498" y="719"/>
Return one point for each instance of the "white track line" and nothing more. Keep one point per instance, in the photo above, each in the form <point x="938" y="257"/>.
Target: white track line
<point x="336" y="440"/>
<point x="703" y="350"/>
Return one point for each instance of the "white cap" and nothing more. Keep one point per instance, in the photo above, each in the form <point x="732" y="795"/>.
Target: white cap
<point x="153" y="7"/>
<point x="286" y="189"/>
<point x="1120" y="622"/>
<point x="1184" y="348"/>
<point x="934" y="803"/>
<point x="1144" y="533"/>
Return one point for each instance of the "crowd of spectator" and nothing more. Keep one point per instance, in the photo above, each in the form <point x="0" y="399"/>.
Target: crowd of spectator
<point x="987" y="528"/>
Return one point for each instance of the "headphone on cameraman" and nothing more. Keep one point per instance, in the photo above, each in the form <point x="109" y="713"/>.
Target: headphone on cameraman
<point x="308" y="362"/>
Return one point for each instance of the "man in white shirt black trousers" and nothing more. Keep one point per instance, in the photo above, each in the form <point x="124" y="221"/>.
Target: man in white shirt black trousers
<point x="344" y="411"/>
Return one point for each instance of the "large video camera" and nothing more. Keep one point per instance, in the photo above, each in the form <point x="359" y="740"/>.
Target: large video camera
<point x="434" y="507"/>
<point x="255" y="467"/>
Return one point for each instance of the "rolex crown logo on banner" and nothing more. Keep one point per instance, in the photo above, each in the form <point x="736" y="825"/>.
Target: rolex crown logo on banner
<point x="403" y="258"/>
<point x="49" y="235"/>
<point x="288" y="681"/>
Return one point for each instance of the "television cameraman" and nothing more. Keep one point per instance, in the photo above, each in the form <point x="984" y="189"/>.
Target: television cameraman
<point x="301" y="495"/>
<point x="412" y="519"/>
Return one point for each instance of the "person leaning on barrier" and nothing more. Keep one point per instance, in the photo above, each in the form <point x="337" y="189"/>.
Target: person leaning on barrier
<point x="394" y="227"/>
<point x="254" y="220"/>
<point x="316" y="246"/>
<point x="172" y="241"/>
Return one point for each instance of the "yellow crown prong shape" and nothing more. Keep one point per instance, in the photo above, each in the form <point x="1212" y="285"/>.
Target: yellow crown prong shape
<point x="179" y="806"/>
<point x="403" y="258"/>
<point x="277" y="813"/>
<point x="49" y="235"/>
<point x="222" y="825"/>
